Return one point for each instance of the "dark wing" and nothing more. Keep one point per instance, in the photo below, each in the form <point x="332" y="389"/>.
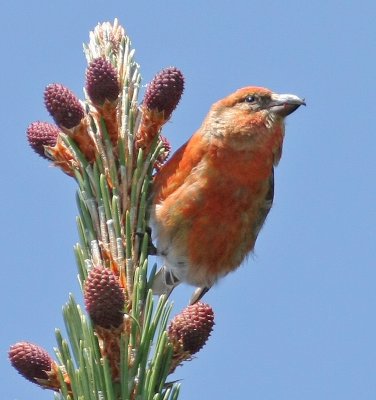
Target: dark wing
<point x="266" y="206"/>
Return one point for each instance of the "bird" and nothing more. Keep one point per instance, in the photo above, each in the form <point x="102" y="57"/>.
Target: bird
<point x="210" y="200"/>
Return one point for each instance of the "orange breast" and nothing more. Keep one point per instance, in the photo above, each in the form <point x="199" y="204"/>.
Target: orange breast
<point x="224" y="222"/>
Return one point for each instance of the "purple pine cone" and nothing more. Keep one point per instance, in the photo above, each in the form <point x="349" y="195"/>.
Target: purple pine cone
<point x="31" y="361"/>
<point x="163" y="93"/>
<point x="104" y="298"/>
<point x="63" y="105"/>
<point x="40" y="134"/>
<point x="102" y="81"/>
<point x="190" y="329"/>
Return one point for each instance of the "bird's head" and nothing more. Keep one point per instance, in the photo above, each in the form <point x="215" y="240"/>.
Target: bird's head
<point x="250" y="116"/>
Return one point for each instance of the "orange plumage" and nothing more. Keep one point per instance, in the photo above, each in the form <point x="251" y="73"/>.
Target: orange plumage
<point x="211" y="198"/>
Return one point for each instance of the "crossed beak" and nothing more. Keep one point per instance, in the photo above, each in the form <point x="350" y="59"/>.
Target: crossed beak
<point x="285" y="104"/>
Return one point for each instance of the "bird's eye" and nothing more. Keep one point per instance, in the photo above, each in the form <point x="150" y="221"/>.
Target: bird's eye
<point x="250" y="99"/>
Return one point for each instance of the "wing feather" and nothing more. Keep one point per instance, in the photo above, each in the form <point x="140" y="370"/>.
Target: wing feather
<point x="267" y="204"/>
<point x="176" y="170"/>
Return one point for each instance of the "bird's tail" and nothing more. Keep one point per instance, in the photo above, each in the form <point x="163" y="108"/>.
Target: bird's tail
<point x="164" y="282"/>
<point x="198" y="294"/>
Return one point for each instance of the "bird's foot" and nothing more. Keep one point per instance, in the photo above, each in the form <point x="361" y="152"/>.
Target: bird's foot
<point x="164" y="282"/>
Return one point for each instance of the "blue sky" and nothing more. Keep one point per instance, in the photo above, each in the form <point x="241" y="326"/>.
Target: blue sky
<point x="297" y="321"/>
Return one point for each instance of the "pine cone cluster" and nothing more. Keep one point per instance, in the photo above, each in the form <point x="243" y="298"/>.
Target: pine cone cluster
<point x="99" y="142"/>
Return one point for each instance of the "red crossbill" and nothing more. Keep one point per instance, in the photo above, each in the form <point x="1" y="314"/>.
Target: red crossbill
<point x="210" y="200"/>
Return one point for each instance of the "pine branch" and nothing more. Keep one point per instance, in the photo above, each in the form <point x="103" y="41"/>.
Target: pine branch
<point x="122" y="348"/>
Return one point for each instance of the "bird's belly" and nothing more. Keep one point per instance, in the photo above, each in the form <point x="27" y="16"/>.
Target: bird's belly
<point x="220" y="239"/>
<point x="214" y="233"/>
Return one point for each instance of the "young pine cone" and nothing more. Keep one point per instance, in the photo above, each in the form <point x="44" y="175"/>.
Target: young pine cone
<point x="189" y="331"/>
<point x="34" y="364"/>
